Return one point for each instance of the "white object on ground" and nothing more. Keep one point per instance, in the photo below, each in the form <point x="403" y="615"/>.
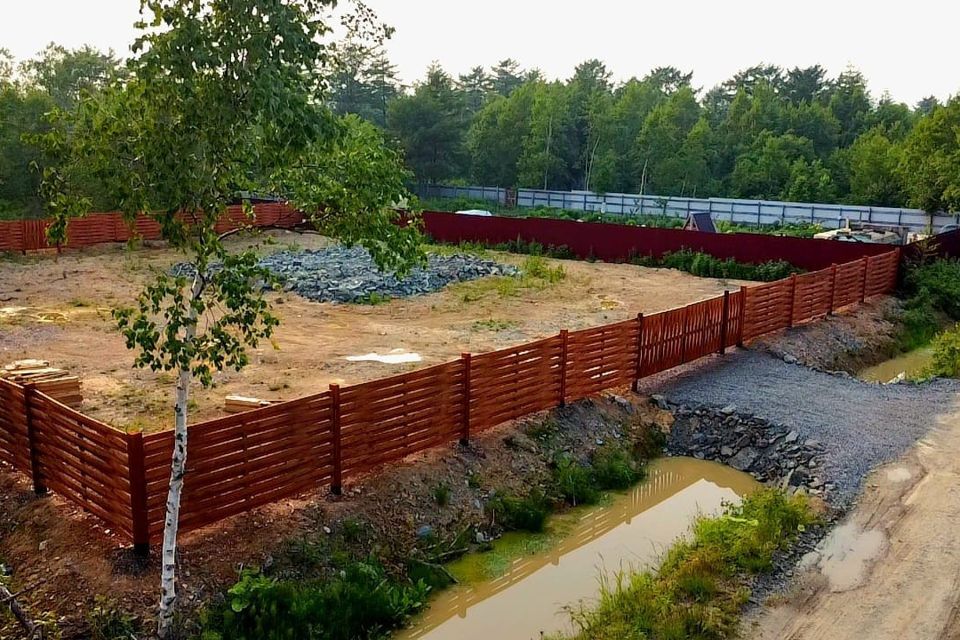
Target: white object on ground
<point x="475" y="212"/>
<point x="396" y="356"/>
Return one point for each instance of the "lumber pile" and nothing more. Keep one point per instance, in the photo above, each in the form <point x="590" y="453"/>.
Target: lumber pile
<point x="239" y="404"/>
<point x="51" y="381"/>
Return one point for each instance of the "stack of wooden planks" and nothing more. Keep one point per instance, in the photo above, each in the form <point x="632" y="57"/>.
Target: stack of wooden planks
<point x="54" y="382"/>
<point x="239" y="404"/>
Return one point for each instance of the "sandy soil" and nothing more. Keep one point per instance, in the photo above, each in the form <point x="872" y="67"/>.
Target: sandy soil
<point x="891" y="570"/>
<point x="59" y="310"/>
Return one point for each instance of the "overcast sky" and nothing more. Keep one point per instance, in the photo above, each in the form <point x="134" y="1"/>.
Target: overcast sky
<point x="910" y="49"/>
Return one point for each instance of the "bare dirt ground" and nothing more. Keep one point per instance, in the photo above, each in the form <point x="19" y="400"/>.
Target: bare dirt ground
<point x="891" y="571"/>
<point x="58" y="309"/>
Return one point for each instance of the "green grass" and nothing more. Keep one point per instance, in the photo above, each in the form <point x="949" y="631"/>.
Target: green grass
<point x="707" y="266"/>
<point x="701" y="584"/>
<point x="535" y="274"/>
<point x="361" y="601"/>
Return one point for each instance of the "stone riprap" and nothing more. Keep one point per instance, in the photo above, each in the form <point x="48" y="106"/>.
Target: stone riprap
<point x="342" y="274"/>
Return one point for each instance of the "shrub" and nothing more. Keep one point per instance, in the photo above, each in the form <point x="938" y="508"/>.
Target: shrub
<point x="707" y="266"/>
<point x="575" y="483"/>
<point x="938" y="282"/>
<point x="361" y="602"/>
<point x="702" y="582"/>
<point x="946" y="354"/>
<point x="528" y="513"/>
<point x="613" y="468"/>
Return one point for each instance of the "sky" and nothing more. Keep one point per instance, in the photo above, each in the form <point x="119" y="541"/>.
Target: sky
<point x="907" y="48"/>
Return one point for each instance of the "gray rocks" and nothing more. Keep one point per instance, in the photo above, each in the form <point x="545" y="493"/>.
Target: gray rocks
<point x="341" y="274"/>
<point x="770" y="452"/>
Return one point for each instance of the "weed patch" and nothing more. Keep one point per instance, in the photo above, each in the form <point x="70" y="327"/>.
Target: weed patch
<point x="362" y="601"/>
<point x="701" y="584"/>
<point x="707" y="266"/>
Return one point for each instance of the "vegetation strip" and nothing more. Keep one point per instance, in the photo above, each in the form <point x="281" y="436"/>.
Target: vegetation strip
<point x="703" y="582"/>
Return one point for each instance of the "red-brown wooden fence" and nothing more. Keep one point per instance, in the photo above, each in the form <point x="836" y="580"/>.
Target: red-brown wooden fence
<point x="243" y="461"/>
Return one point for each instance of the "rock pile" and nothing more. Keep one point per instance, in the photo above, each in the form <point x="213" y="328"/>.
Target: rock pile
<point x="772" y="453"/>
<point x="341" y="274"/>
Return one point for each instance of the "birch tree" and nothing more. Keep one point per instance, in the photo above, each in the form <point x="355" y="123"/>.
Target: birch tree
<point x="223" y="97"/>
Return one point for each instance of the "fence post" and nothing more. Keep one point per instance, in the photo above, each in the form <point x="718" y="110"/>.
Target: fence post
<point x="336" y="485"/>
<point x="467" y="392"/>
<point x="833" y="287"/>
<point x="724" y="322"/>
<point x="863" y="284"/>
<point x="639" y="366"/>
<point x="683" y="336"/>
<point x="138" y="494"/>
<point x="29" y="390"/>
<point x="563" y="366"/>
<point x="793" y="298"/>
<point x="743" y="314"/>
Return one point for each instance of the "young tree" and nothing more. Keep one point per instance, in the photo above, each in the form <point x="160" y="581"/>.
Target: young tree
<point x="223" y="97"/>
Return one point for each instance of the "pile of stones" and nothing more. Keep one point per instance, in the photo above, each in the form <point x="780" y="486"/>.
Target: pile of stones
<point x="771" y="453"/>
<point x="341" y="274"/>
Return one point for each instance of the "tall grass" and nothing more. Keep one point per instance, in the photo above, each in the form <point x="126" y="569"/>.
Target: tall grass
<point x="701" y="584"/>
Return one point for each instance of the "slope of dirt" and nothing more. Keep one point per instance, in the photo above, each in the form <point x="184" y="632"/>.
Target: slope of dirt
<point x="59" y="310"/>
<point x="846" y="342"/>
<point x="891" y="571"/>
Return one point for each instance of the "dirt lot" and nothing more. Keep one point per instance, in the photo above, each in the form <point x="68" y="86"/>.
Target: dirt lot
<point x="59" y="309"/>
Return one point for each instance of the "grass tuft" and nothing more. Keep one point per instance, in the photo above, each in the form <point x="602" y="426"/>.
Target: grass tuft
<point x="700" y="586"/>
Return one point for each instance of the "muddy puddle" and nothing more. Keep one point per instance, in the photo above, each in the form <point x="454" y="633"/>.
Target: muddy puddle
<point x="910" y="365"/>
<point x="525" y="586"/>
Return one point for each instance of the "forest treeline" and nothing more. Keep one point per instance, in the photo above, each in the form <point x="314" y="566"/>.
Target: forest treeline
<point x="771" y="133"/>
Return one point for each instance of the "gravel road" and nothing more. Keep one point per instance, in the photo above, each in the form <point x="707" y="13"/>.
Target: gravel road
<point x="860" y="424"/>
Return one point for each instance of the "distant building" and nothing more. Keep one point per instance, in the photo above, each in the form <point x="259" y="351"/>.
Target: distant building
<point x="699" y="221"/>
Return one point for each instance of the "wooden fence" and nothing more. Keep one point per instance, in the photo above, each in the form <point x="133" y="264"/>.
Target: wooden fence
<point x="250" y="459"/>
<point x="98" y="228"/>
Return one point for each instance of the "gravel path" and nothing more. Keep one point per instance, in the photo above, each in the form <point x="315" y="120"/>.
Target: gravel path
<point x="860" y="424"/>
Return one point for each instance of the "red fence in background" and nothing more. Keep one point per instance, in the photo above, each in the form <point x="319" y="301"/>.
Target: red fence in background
<point x="239" y="462"/>
<point x="620" y="243"/>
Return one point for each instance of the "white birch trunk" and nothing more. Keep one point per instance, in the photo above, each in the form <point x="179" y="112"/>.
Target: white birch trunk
<point x="168" y="558"/>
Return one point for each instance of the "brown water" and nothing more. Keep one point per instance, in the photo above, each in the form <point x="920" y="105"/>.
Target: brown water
<point x="523" y="587"/>
<point x="910" y="364"/>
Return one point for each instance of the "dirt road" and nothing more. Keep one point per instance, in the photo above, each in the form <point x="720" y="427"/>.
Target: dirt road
<point x="891" y="570"/>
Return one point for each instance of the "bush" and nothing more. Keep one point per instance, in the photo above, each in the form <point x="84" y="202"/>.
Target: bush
<point x="938" y="282"/>
<point x="707" y="266"/>
<point x="575" y="483"/>
<point x="614" y="469"/>
<point x="361" y="602"/>
<point x="946" y="354"/>
<point x="702" y="582"/>
<point x="528" y="513"/>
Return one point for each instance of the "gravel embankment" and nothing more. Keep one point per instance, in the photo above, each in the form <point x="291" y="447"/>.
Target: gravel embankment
<point x="341" y="274"/>
<point x="860" y="424"/>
